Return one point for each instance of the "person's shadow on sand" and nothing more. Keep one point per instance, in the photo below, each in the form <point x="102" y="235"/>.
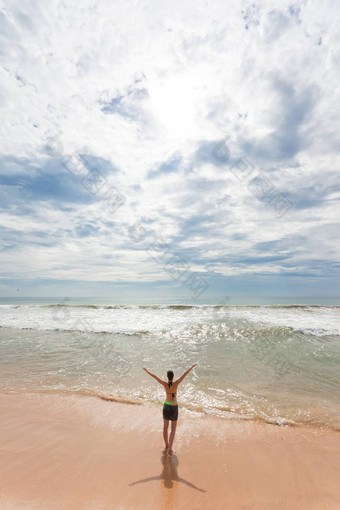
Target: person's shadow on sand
<point x="169" y="474"/>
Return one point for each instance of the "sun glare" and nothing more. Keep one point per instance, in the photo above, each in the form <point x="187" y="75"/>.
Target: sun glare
<point x="173" y="104"/>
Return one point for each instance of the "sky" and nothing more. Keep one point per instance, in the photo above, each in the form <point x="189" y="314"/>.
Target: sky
<point x="183" y="149"/>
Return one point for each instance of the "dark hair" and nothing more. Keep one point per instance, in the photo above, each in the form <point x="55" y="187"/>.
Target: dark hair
<point x="170" y="376"/>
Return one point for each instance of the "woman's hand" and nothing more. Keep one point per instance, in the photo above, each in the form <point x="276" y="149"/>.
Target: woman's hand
<point x="194" y="365"/>
<point x="146" y="370"/>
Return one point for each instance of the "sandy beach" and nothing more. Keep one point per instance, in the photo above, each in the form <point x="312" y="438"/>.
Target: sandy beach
<point x="76" y="452"/>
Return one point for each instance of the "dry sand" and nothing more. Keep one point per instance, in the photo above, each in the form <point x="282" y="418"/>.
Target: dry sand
<point x="74" y="452"/>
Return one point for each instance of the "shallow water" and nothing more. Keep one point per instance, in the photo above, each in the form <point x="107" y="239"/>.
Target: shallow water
<point x="274" y="363"/>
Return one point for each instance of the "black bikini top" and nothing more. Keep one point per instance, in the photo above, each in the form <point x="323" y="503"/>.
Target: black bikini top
<point x="173" y="395"/>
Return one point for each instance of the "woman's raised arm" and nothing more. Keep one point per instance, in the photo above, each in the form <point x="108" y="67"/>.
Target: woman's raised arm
<point x="154" y="376"/>
<point x="186" y="373"/>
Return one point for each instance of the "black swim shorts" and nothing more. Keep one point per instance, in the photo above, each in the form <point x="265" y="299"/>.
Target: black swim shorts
<point x="170" y="412"/>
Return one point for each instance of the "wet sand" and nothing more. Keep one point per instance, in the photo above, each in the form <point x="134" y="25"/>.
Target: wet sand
<point x="76" y="452"/>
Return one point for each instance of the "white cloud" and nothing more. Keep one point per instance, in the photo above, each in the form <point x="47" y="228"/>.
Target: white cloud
<point x="144" y="85"/>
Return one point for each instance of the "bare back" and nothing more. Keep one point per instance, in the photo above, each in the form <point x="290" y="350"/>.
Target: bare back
<point x="171" y="393"/>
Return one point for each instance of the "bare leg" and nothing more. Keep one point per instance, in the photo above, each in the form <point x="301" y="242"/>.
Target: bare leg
<point x="165" y="432"/>
<point x="172" y="436"/>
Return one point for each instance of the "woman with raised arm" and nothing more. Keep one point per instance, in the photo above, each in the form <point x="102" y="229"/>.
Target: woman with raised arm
<point x="170" y="408"/>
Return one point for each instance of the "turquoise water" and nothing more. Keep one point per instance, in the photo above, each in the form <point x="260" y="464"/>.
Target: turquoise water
<point x="222" y="300"/>
<point x="278" y="363"/>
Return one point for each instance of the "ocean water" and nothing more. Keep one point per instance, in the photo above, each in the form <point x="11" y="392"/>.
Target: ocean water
<point x="274" y="363"/>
